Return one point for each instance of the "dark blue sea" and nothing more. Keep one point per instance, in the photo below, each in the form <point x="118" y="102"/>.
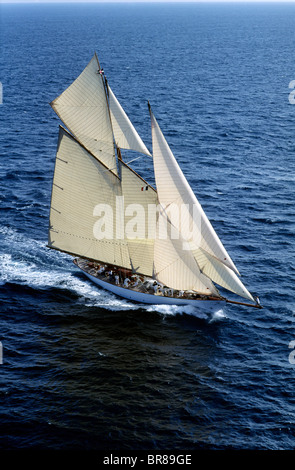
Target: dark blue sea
<point x="83" y="370"/>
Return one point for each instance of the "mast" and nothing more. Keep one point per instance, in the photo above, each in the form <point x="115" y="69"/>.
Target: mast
<point x="124" y="134"/>
<point x="106" y="89"/>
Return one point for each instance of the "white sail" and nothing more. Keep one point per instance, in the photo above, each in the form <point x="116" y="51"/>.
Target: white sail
<point x="125" y="135"/>
<point x="102" y="210"/>
<point x="174" y="190"/>
<point x="84" y="110"/>
<point x="175" y="266"/>
<point x="139" y="228"/>
<point x="81" y="187"/>
<point x="221" y="274"/>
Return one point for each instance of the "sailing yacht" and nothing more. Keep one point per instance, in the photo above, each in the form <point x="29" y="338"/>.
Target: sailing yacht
<point x="149" y="245"/>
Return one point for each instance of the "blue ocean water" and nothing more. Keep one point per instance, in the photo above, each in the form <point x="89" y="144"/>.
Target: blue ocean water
<point x="82" y="369"/>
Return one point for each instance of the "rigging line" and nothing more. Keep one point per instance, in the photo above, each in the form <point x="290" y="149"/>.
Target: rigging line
<point x="143" y="155"/>
<point x="133" y="160"/>
<point x="146" y="155"/>
<point x="109" y="169"/>
<point x="127" y="163"/>
<point x="140" y="156"/>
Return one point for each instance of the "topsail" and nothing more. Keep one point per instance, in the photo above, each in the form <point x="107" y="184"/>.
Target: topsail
<point x="125" y="135"/>
<point x="84" y="111"/>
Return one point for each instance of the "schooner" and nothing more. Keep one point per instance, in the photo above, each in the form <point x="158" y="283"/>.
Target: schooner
<point x="148" y="245"/>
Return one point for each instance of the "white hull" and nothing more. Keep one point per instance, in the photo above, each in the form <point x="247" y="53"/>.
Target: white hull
<point x="140" y="297"/>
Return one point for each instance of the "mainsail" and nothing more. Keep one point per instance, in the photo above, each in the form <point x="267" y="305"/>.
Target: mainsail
<point x="86" y="178"/>
<point x="102" y="210"/>
<point x="80" y="184"/>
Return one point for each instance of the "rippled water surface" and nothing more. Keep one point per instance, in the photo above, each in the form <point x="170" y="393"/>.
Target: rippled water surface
<point x="83" y="369"/>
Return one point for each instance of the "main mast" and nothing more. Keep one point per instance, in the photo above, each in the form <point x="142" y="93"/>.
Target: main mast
<point x="89" y="171"/>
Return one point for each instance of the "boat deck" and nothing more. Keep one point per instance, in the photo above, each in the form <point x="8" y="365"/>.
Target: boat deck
<point x="124" y="278"/>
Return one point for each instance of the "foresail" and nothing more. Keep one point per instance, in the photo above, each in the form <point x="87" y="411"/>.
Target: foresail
<point x="177" y="198"/>
<point x="174" y="265"/>
<point x="125" y="135"/>
<point x="221" y="274"/>
<point x="83" y="204"/>
<point x="173" y="189"/>
<point x="84" y="110"/>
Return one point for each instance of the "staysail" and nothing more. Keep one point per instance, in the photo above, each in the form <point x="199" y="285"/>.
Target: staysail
<point x="175" y="193"/>
<point x="174" y="265"/>
<point x="139" y="198"/>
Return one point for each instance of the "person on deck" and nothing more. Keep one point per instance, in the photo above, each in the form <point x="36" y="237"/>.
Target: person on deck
<point x="126" y="282"/>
